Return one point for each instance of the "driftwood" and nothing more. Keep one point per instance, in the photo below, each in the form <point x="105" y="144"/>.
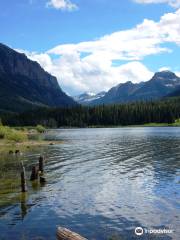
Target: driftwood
<point x="66" y="234"/>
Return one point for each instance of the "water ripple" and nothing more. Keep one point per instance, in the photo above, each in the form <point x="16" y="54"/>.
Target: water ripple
<point x="101" y="183"/>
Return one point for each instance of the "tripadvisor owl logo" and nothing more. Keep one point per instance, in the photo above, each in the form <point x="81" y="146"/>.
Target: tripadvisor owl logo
<point x="139" y="231"/>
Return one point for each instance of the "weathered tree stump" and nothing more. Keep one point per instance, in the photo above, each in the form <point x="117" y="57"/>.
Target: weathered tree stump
<point x="23" y="179"/>
<point x="34" y="173"/>
<point x="42" y="179"/>
<point x="66" y="234"/>
<point x="17" y="151"/>
<point x="41" y="164"/>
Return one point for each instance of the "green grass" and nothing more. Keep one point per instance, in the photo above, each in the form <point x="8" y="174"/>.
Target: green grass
<point x="175" y="124"/>
<point x="13" y="135"/>
<point x="16" y="136"/>
<point x="157" y="125"/>
<point x="21" y="138"/>
<point x="21" y="134"/>
<point x="40" y="128"/>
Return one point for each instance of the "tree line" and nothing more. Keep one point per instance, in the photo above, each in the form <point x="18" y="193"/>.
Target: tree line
<point x="164" y="111"/>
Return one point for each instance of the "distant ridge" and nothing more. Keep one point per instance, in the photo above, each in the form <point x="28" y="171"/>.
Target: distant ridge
<point x="160" y="85"/>
<point x="86" y="98"/>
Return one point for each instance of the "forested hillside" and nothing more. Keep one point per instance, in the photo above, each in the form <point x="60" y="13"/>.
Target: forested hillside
<point x="165" y="111"/>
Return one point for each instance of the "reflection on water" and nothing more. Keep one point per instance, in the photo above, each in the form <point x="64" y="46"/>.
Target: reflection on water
<point x="100" y="183"/>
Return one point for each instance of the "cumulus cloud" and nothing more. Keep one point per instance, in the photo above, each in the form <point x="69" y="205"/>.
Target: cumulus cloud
<point x="62" y="5"/>
<point x="134" y="44"/>
<point x="172" y="3"/>
<point x="100" y="64"/>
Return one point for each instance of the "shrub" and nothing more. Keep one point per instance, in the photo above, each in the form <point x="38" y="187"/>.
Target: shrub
<point x="12" y="134"/>
<point x="40" y="128"/>
<point x="16" y="136"/>
<point x="3" y="131"/>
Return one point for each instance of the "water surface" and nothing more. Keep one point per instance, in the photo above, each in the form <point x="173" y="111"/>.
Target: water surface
<point x="101" y="183"/>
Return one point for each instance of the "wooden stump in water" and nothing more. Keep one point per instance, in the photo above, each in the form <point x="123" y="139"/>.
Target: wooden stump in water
<point x="34" y="173"/>
<point x="66" y="234"/>
<point x="42" y="179"/>
<point x="41" y="164"/>
<point x="23" y="179"/>
<point x="17" y="151"/>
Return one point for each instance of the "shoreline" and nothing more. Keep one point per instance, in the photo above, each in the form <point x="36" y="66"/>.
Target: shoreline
<point x="22" y="138"/>
<point x="120" y="126"/>
<point x="6" y="145"/>
<point x="23" y="146"/>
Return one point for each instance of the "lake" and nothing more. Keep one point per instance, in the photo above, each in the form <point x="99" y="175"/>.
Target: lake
<point x="101" y="183"/>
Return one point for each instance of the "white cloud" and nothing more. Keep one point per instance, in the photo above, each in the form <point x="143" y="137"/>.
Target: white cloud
<point x="134" y="44"/>
<point x="85" y="75"/>
<point x="79" y="75"/>
<point x="62" y="5"/>
<point x="172" y="3"/>
<point x="90" y="66"/>
<point x="164" y="69"/>
<point x="178" y="74"/>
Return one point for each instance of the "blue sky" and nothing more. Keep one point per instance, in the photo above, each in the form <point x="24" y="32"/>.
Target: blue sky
<point x="89" y="45"/>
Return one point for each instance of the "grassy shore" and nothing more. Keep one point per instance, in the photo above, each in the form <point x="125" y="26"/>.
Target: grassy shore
<point x="162" y="125"/>
<point x="175" y="124"/>
<point x="22" y="138"/>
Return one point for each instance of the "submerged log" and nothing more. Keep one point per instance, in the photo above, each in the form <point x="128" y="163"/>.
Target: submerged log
<point x="66" y="234"/>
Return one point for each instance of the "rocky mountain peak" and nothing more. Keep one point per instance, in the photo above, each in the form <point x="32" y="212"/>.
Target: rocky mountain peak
<point x="164" y="75"/>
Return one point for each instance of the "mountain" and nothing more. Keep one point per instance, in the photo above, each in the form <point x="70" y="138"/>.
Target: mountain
<point x="87" y="98"/>
<point x="176" y="93"/>
<point x="119" y="93"/>
<point x="25" y="85"/>
<point x="161" y="84"/>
